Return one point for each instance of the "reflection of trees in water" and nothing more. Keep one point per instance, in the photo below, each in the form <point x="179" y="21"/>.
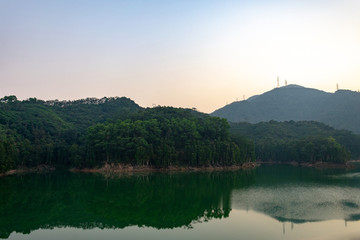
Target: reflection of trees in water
<point x="34" y="201"/>
<point x="159" y="200"/>
<point x="300" y="195"/>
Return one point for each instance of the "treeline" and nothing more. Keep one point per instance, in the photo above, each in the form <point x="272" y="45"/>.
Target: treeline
<point x="90" y="132"/>
<point x="304" y="141"/>
<point x="311" y="150"/>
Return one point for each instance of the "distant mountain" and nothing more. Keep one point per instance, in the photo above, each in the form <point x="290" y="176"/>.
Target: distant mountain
<point x="340" y="110"/>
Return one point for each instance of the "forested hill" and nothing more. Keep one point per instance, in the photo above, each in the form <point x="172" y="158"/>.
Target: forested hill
<point x="56" y="114"/>
<point x="90" y="132"/>
<point x="340" y="109"/>
<point x="299" y="141"/>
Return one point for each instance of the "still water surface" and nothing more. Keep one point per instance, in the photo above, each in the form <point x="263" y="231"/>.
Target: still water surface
<point x="270" y="202"/>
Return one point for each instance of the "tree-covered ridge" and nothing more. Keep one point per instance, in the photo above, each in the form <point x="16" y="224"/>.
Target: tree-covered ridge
<point x="304" y="141"/>
<point x="166" y="136"/>
<point x="90" y="132"/>
<point x="87" y="112"/>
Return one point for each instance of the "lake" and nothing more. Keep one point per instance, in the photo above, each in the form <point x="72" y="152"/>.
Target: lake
<point x="269" y="202"/>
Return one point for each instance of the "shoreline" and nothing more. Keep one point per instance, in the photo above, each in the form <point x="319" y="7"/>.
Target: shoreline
<point x="120" y="168"/>
<point x="21" y="170"/>
<point x="354" y="161"/>
<point x="319" y="165"/>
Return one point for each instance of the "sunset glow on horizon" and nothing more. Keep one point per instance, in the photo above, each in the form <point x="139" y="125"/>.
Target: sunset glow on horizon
<point x="200" y="54"/>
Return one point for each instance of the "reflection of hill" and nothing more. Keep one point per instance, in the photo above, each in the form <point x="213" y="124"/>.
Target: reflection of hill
<point x="302" y="195"/>
<point x="31" y="202"/>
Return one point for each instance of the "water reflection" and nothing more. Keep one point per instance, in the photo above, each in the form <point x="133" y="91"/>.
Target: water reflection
<point x="301" y="203"/>
<point x="86" y="201"/>
<point x="301" y="195"/>
<point x="178" y="200"/>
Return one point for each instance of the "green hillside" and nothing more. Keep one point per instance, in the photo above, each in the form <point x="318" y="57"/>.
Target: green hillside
<point x="289" y="140"/>
<point x="340" y="109"/>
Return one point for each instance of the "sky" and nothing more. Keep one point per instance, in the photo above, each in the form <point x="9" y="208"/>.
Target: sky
<point x="182" y="53"/>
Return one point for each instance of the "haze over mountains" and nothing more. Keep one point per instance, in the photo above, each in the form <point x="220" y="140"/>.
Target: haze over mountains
<point x="340" y="110"/>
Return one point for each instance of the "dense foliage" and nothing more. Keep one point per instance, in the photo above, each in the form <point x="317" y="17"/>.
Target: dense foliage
<point x="34" y="132"/>
<point x="90" y="132"/>
<point x="304" y="151"/>
<point x="304" y="141"/>
<point x="167" y="136"/>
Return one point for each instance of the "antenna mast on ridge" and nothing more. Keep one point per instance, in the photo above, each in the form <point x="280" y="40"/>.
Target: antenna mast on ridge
<point x="278" y="85"/>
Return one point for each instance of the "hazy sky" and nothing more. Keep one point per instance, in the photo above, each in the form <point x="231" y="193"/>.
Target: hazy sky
<point x="183" y="53"/>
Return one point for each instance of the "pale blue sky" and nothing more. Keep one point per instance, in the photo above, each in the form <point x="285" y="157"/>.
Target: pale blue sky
<point x="188" y="53"/>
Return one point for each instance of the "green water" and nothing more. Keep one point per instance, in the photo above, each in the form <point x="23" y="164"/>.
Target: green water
<point x="270" y="202"/>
